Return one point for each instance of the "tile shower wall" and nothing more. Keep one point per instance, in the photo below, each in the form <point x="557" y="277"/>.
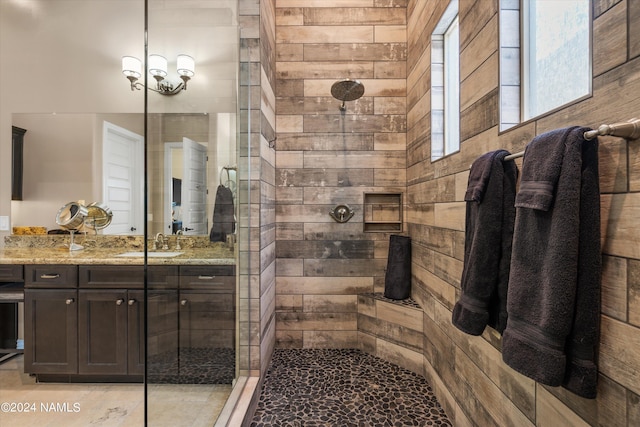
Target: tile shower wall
<point x="470" y="379"/>
<point x="256" y="169"/>
<point x="325" y="158"/>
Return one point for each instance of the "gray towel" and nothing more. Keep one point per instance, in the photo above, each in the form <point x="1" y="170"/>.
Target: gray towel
<point x="397" y="278"/>
<point x="553" y="300"/>
<point x="223" y="215"/>
<point x="490" y="216"/>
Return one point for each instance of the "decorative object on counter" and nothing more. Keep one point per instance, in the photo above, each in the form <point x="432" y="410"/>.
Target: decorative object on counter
<point x="26" y="231"/>
<point x="99" y="216"/>
<point x="71" y="217"/>
<point x="397" y="278"/>
<point x="341" y="213"/>
<point x="132" y="69"/>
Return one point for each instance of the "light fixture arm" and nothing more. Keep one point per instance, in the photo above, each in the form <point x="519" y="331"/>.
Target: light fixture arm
<point x="131" y="68"/>
<point x="135" y="84"/>
<point x="163" y="88"/>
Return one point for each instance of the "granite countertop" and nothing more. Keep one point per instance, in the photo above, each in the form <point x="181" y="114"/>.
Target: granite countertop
<point x="108" y="250"/>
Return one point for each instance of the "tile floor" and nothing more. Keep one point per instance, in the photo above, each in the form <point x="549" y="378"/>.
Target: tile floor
<point x="193" y="366"/>
<point x="343" y="388"/>
<point x="119" y="405"/>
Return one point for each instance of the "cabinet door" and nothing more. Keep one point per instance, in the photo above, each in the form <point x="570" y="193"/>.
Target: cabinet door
<point x="162" y="335"/>
<point x="51" y="334"/>
<point x="102" y="331"/>
<point x="207" y="337"/>
<point x="135" y="332"/>
<point x="207" y="320"/>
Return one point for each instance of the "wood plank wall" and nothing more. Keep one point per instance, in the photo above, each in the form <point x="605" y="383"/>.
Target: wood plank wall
<point x="325" y="158"/>
<point x="267" y="212"/>
<point x="256" y="165"/>
<point x="471" y="380"/>
<point x="382" y="144"/>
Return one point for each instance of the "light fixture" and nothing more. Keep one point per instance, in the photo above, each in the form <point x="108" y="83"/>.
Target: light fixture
<point x="132" y="69"/>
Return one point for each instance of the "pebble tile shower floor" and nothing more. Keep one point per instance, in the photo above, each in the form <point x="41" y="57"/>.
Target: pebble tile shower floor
<point x="317" y="387"/>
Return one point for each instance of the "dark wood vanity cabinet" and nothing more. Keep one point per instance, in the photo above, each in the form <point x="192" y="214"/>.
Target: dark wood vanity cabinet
<point x="51" y="319"/>
<point x="88" y="321"/>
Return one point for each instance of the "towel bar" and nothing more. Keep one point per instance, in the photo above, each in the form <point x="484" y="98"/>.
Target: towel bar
<point x="627" y="130"/>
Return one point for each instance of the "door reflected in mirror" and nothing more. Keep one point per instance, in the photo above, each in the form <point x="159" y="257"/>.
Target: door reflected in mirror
<point x="186" y="187"/>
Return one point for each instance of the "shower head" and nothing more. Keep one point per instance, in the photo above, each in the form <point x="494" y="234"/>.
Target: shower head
<point x="347" y="90"/>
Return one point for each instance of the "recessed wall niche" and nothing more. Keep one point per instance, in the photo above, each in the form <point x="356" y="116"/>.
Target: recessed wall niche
<point x="382" y="212"/>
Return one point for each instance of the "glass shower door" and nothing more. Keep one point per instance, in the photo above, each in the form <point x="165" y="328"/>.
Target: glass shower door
<point x="192" y="333"/>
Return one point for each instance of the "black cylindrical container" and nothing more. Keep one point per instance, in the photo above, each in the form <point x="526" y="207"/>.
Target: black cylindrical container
<point x="397" y="279"/>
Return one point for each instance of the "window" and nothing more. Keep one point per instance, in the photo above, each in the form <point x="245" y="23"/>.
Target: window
<point x="553" y="57"/>
<point x="445" y="85"/>
<point x="509" y="64"/>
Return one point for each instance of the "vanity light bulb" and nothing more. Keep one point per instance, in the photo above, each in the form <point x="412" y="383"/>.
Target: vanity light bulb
<point x="186" y="65"/>
<point x="131" y="66"/>
<point x="157" y="65"/>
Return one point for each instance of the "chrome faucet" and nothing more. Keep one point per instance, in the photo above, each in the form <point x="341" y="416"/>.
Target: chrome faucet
<point x="161" y="239"/>
<point x="178" y="234"/>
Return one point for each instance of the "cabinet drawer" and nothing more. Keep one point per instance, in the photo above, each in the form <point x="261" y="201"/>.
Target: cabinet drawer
<point x="11" y="273"/>
<point x="50" y="276"/>
<point x="218" y="278"/>
<point x="127" y="276"/>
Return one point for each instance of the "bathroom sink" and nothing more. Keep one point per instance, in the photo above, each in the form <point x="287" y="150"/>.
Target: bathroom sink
<point x="150" y="254"/>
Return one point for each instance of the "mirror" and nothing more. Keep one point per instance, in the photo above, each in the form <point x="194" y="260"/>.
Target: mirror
<point x="67" y="157"/>
<point x="65" y="109"/>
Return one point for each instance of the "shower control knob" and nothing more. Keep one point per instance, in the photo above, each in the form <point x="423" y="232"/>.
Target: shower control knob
<point x="341" y="213"/>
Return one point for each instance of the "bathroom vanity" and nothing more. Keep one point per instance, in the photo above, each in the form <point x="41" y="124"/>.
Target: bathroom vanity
<point x="84" y="312"/>
<point x="11" y="295"/>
